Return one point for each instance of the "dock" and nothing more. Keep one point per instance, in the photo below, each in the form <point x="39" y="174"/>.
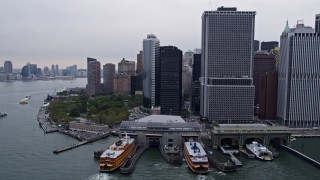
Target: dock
<point x="128" y="166"/>
<point x="235" y="160"/>
<point x="66" y="148"/>
<point x="44" y="122"/>
<point x="228" y="150"/>
<point x="299" y="154"/>
<point x="224" y="167"/>
<point x="247" y="153"/>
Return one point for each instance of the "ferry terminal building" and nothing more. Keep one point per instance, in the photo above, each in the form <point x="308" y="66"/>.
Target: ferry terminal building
<point x="160" y="130"/>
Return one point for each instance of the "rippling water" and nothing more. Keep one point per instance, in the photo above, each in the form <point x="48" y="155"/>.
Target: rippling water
<point x="26" y="152"/>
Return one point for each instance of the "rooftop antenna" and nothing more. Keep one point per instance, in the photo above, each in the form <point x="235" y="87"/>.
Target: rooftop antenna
<point x="211" y="6"/>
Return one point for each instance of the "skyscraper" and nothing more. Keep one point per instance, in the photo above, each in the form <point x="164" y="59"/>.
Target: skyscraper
<point x="108" y="75"/>
<point x="263" y="62"/>
<point x="139" y="72"/>
<point x="151" y="72"/>
<point x="139" y="63"/>
<point x="53" y="71"/>
<point x="171" y="80"/>
<point x="317" y="23"/>
<point x="256" y="45"/>
<point x="227" y="92"/>
<point x="126" y="67"/>
<point x="299" y="77"/>
<point x="7" y="67"/>
<point x="93" y="86"/>
<point x="196" y="87"/>
<point x="57" y="72"/>
<point x="268" y="46"/>
<point x="268" y="87"/>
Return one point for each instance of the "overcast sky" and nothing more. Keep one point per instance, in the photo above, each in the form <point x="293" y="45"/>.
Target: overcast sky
<point x="65" y="32"/>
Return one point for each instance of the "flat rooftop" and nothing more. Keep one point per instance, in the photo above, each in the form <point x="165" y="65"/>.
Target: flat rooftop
<point x="160" y="123"/>
<point x="162" y="119"/>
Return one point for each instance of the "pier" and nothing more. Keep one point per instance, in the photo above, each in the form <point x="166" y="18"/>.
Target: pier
<point x="228" y="150"/>
<point x="235" y="160"/>
<point x="57" y="151"/>
<point x="248" y="154"/>
<point x="44" y="122"/>
<point x="224" y="167"/>
<point x="128" y="166"/>
<point x="299" y="154"/>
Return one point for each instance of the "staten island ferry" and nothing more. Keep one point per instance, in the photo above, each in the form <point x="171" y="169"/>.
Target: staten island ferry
<point x="117" y="153"/>
<point x="196" y="157"/>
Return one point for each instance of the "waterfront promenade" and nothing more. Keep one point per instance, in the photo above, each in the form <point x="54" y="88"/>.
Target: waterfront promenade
<point x="45" y="122"/>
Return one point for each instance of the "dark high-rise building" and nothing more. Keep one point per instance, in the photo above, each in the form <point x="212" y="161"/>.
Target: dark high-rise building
<point x="7" y="67"/>
<point x="171" y="80"/>
<point x="151" y="71"/>
<point x="108" y="75"/>
<point x="262" y="63"/>
<point x="196" y="73"/>
<point x="317" y="23"/>
<point x="256" y="45"/>
<point x="139" y="63"/>
<point x="268" y="95"/>
<point x="196" y="86"/>
<point x="227" y="91"/>
<point x="139" y="72"/>
<point x="93" y="86"/>
<point x="268" y="46"/>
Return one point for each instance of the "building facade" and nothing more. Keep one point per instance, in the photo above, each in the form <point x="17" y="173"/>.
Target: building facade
<point x="299" y="77"/>
<point x="268" y="46"/>
<point x="108" y="75"/>
<point x="93" y="86"/>
<point x="227" y="91"/>
<point x="139" y="63"/>
<point x="7" y="67"/>
<point x="256" y="45"/>
<point x="196" y="86"/>
<point x="317" y="23"/>
<point x="122" y="84"/>
<point x="126" y="67"/>
<point x="268" y="88"/>
<point x="139" y="72"/>
<point x="171" y="80"/>
<point x="262" y="63"/>
<point x="151" y="71"/>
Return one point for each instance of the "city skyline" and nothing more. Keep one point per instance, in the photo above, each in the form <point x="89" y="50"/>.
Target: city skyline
<point x="66" y="33"/>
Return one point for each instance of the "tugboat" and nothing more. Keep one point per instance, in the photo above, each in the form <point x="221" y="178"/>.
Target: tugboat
<point x="117" y="153"/>
<point x="260" y="151"/>
<point x="196" y="157"/>
<point x="3" y="114"/>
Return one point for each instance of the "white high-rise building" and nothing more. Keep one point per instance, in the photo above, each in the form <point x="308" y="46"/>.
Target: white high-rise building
<point x="227" y="91"/>
<point x="299" y="77"/>
<point x="151" y="71"/>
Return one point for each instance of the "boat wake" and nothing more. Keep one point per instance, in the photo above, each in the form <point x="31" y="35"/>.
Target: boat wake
<point x="101" y="176"/>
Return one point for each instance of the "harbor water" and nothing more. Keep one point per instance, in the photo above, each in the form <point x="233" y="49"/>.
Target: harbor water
<point x="26" y="152"/>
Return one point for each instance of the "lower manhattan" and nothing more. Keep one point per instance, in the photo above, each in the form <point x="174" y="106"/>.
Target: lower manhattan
<point x="158" y="89"/>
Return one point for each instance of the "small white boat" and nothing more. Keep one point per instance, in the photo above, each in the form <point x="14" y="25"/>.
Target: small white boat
<point x="2" y="114"/>
<point x="260" y="151"/>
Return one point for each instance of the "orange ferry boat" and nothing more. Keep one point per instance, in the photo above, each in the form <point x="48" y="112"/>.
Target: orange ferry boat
<point x="117" y="153"/>
<point x="196" y="157"/>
